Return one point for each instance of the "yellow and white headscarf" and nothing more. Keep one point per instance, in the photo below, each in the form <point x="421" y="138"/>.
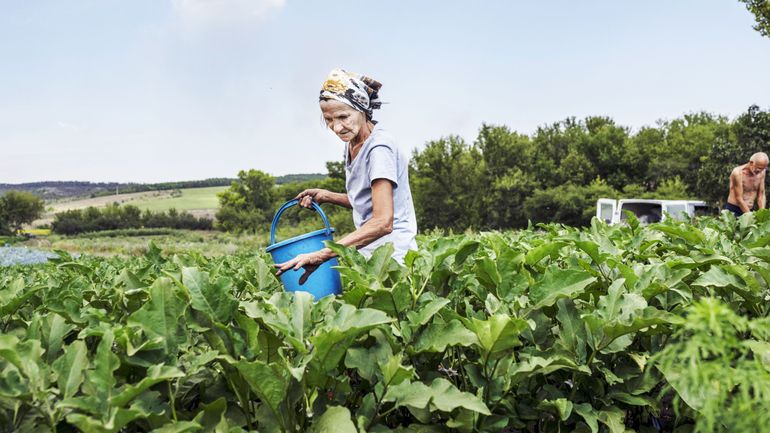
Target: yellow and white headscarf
<point x="357" y="91"/>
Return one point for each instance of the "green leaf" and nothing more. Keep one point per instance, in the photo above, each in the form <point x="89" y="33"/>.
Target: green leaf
<point x="561" y="406"/>
<point x="270" y="382"/>
<point x="160" y="317"/>
<point x="437" y="336"/>
<point x="211" y="298"/>
<point x="335" y="419"/>
<point x="101" y="380"/>
<point x="440" y="395"/>
<point x="212" y="418"/>
<point x="649" y="316"/>
<point x="538" y="253"/>
<point x="333" y="339"/>
<point x="498" y="333"/>
<point x="155" y="374"/>
<point x="179" y="427"/>
<point x="558" y="283"/>
<point x="69" y="368"/>
<point x="716" y="277"/>
<point x="688" y="233"/>
<point x="572" y="333"/>
<point x="393" y="372"/>
<point x="426" y="312"/>
<point x="589" y="414"/>
<point x="613" y="418"/>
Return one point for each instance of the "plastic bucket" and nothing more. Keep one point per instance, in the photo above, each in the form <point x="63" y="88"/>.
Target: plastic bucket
<point x="325" y="280"/>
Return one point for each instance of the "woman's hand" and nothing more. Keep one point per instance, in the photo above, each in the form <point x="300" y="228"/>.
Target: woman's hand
<point x="309" y="261"/>
<point x="308" y="196"/>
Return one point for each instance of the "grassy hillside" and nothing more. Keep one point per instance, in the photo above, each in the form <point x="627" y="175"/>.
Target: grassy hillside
<point x="191" y="199"/>
<point x="201" y="202"/>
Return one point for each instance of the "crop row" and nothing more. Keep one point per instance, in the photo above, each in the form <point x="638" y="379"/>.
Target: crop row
<point x="604" y="329"/>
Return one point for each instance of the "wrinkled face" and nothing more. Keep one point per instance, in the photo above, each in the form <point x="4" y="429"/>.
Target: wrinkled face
<point x="757" y="167"/>
<point x="343" y="119"/>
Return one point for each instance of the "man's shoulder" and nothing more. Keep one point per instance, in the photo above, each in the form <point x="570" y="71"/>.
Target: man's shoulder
<point x="738" y="171"/>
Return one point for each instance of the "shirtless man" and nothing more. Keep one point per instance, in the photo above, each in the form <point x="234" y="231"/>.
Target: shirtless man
<point x="747" y="183"/>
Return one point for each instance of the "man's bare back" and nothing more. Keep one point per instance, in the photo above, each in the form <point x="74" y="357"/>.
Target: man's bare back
<point x="747" y="184"/>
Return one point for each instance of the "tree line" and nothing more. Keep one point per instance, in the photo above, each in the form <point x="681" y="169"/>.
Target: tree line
<point x="503" y="179"/>
<point x="506" y="179"/>
<point x="117" y="217"/>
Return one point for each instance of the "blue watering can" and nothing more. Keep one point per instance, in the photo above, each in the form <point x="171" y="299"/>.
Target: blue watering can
<point x="325" y="280"/>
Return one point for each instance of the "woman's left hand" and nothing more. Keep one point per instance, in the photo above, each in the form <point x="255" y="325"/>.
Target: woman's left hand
<point x="309" y="261"/>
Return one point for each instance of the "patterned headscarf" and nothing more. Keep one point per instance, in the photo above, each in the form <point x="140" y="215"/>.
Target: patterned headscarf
<point x="355" y="90"/>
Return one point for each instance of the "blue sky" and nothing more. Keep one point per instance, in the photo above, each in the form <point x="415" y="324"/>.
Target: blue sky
<point x="162" y="90"/>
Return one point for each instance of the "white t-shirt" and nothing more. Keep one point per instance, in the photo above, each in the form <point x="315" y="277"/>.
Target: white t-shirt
<point x="380" y="158"/>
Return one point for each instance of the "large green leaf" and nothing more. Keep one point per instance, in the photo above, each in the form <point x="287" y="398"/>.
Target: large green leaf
<point x="440" y="395"/>
<point x="334" y="419"/>
<point x="70" y="367"/>
<point x="160" y="317"/>
<point x="332" y="340"/>
<point x="270" y="382"/>
<point x="211" y="298"/>
<point x="438" y="336"/>
<point x="155" y="374"/>
<point x="498" y="333"/>
<point x="558" y="283"/>
<point x="572" y="332"/>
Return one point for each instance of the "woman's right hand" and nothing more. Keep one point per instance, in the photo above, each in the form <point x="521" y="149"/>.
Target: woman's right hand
<point x="308" y="196"/>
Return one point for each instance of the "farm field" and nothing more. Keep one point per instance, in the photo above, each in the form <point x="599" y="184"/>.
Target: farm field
<point x="605" y="329"/>
<point x="198" y="201"/>
<point x="208" y="243"/>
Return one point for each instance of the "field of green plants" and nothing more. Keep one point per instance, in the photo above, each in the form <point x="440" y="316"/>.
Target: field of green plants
<point x="550" y="329"/>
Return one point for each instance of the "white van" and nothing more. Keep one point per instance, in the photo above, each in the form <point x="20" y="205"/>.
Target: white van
<point x="648" y="211"/>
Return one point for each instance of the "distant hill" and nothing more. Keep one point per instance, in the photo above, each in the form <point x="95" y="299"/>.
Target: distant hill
<point x="291" y="178"/>
<point x="58" y="190"/>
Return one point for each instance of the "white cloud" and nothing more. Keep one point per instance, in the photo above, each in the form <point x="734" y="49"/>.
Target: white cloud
<point x="218" y="12"/>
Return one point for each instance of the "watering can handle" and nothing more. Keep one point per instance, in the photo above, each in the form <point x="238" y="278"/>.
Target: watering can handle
<point x="289" y="204"/>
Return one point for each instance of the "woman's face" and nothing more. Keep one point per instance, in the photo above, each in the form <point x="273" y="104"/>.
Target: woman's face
<point x="343" y="119"/>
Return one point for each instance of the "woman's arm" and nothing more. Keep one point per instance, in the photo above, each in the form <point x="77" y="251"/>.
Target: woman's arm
<point x="381" y="222"/>
<point x="379" y="225"/>
<point x="322" y="196"/>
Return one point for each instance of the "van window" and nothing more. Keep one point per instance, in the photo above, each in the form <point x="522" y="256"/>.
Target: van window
<point x="646" y="212"/>
<point x="702" y="211"/>
<point x="605" y="210"/>
<point x="678" y="211"/>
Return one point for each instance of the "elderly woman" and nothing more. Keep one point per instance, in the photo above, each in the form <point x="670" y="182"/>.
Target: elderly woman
<point x="376" y="174"/>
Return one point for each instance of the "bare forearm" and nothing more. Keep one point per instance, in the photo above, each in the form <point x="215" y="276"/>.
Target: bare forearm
<point x="369" y="232"/>
<point x="340" y="199"/>
<point x="761" y="201"/>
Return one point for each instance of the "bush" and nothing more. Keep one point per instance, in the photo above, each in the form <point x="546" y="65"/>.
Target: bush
<point x="116" y="217"/>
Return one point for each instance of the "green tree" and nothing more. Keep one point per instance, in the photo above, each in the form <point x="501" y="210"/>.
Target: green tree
<point x="18" y="208"/>
<point x="569" y="204"/>
<point x="761" y="11"/>
<point x="447" y="184"/>
<point x="249" y="203"/>
<point x="336" y="169"/>
<point x="507" y="178"/>
<point x="687" y="141"/>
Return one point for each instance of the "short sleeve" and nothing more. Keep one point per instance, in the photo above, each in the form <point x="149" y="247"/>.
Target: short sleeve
<point x="382" y="164"/>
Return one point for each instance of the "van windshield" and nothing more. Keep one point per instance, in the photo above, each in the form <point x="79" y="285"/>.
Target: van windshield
<point x="646" y="212"/>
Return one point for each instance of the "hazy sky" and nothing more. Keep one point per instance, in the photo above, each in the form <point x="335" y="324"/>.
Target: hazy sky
<point x="161" y="90"/>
